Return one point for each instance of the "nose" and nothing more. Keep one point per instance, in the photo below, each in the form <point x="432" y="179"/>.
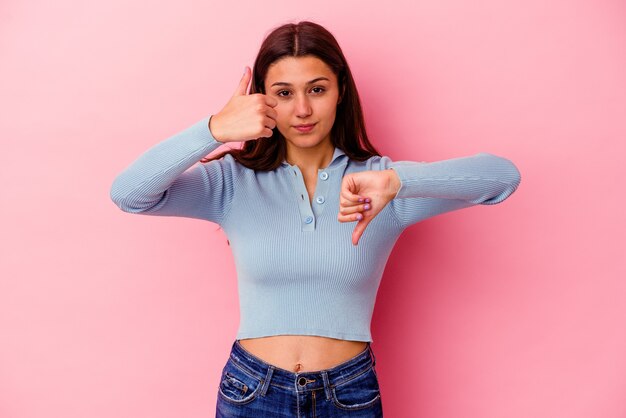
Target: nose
<point x="303" y="108"/>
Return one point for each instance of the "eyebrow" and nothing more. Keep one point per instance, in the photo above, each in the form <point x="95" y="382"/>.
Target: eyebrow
<point x="282" y="83"/>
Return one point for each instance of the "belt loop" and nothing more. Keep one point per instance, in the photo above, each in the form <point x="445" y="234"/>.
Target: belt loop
<point x="326" y="384"/>
<point x="268" y="378"/>
<point x="369" y="345"/>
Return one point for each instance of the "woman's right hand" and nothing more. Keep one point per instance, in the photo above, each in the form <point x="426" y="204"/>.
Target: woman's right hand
<point x="245" y="116"/>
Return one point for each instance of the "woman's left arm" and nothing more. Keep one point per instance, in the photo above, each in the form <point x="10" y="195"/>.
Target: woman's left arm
<point x="420" y="190"/>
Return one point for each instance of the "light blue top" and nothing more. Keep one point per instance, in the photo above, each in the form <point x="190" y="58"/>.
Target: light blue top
<point x="297" y="270"/>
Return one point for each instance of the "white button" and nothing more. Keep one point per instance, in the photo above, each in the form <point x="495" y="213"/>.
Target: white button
<point x="323" y="175"/>
<point x="308" y="219"/>
<point x="320" y="199"/>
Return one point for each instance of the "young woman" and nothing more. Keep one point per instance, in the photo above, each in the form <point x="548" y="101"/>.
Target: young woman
<point x="311" y="211"/>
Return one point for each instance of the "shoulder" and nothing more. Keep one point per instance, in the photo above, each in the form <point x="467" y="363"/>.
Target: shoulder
<point x="384" y="162"/>
<point x="377" y="162"/>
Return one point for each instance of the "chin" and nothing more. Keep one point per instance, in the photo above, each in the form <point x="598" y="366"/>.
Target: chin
<point x="312" y="143"/>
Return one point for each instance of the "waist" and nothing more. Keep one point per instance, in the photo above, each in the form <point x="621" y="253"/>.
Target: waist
<point x="301" y="353"/>
<point x="314" y="379"/>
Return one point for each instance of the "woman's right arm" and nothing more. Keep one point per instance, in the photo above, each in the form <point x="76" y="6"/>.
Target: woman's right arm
<point x="159" y="182"/>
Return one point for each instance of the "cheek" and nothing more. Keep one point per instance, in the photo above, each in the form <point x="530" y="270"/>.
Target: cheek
<point x="329" y="110"/>
<point x="282" y="114"/>
<point x="282" y="119"/>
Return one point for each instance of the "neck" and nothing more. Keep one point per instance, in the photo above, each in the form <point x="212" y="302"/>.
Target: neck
<point x="310" y="159"/>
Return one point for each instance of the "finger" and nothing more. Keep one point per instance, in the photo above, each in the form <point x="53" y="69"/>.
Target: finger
<point x="270" y="101"/>
<point x="270" y="112"/>
<point x="346" y="189"/>
<point x="347" y="210"/>
<point x="267" y="133"/>
<point x="349" y="197"/>
<point x="348" y="186"/>
<point x="360" y="201"/>
<point x="270" y="123"/>
<point x="242" y="88"/>
<point x="350" y="218"/>
<point x="358" y="231"/>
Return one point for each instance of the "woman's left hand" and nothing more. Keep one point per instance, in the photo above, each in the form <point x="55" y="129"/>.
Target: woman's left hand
<point x="364" y="195"/>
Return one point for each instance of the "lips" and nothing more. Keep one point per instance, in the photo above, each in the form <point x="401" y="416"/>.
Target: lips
<point x="305" y="127"/>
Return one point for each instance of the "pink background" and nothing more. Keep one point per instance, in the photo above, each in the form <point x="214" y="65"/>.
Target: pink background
<point x="509" y="311"/>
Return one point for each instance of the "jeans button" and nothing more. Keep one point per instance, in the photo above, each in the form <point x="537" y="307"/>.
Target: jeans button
<point x="302" y="381"/>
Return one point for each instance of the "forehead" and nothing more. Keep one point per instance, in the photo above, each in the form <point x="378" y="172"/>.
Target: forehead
<point x="297" y="70"/>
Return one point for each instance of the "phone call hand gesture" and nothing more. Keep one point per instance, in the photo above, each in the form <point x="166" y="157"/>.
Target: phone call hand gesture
<point x="245" y="116"/>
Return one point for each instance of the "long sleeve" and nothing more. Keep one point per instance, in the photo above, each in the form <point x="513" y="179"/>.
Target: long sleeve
<point x="160" y="182"/>
<point x="429" y="189"/>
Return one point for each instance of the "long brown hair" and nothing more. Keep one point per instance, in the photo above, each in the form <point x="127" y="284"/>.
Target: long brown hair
<point x="348" y="132"/>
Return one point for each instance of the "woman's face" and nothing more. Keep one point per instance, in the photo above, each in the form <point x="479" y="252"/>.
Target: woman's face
<point x="307" y="93"/>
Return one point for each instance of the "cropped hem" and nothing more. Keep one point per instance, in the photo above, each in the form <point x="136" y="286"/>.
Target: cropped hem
<point x="351" y="336"/>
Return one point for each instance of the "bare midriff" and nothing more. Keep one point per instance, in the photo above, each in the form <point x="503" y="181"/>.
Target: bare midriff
<point x="302" y="353"/>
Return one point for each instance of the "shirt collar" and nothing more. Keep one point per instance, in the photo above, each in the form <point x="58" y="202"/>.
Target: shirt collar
<point x="336" y="155"/>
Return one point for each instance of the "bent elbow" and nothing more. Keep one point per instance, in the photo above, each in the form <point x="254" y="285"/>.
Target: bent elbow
<point x="118" y="195"/>
<point x="506" y="177"/>
<point x="121" y="196"/>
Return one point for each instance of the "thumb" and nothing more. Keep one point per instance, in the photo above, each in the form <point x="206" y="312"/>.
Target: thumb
<point x="242" y="88"/>
<point x="358" y="230"/>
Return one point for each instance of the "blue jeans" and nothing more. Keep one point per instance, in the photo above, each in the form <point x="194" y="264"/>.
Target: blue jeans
<point x="250" y="387"/>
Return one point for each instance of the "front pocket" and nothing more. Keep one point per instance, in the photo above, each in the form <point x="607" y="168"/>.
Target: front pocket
<point x="237" y="386"/>
<point x="357" y="393"/>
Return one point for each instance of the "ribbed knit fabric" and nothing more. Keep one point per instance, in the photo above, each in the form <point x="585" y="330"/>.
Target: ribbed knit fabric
<point x="298" y="272"/>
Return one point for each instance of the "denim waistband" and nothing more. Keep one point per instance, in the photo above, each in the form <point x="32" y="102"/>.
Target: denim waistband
<point x="302" y="381"/>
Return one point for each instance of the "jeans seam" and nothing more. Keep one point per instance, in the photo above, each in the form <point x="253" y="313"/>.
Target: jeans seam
<point x="245" y="370"/>
<point x="267" y="380"/>
<point x="352" y="377"/>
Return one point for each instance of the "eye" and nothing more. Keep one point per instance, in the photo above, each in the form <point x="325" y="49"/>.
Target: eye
<point x="317" y="88"/>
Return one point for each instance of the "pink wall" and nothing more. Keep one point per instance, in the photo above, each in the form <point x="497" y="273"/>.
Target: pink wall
<point x="509" y="311"/>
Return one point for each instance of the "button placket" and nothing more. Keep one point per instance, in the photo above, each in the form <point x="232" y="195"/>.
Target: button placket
<point x="310" y="210"/>
<point x="307" y="216"/>
<point x="321" y="191"/>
